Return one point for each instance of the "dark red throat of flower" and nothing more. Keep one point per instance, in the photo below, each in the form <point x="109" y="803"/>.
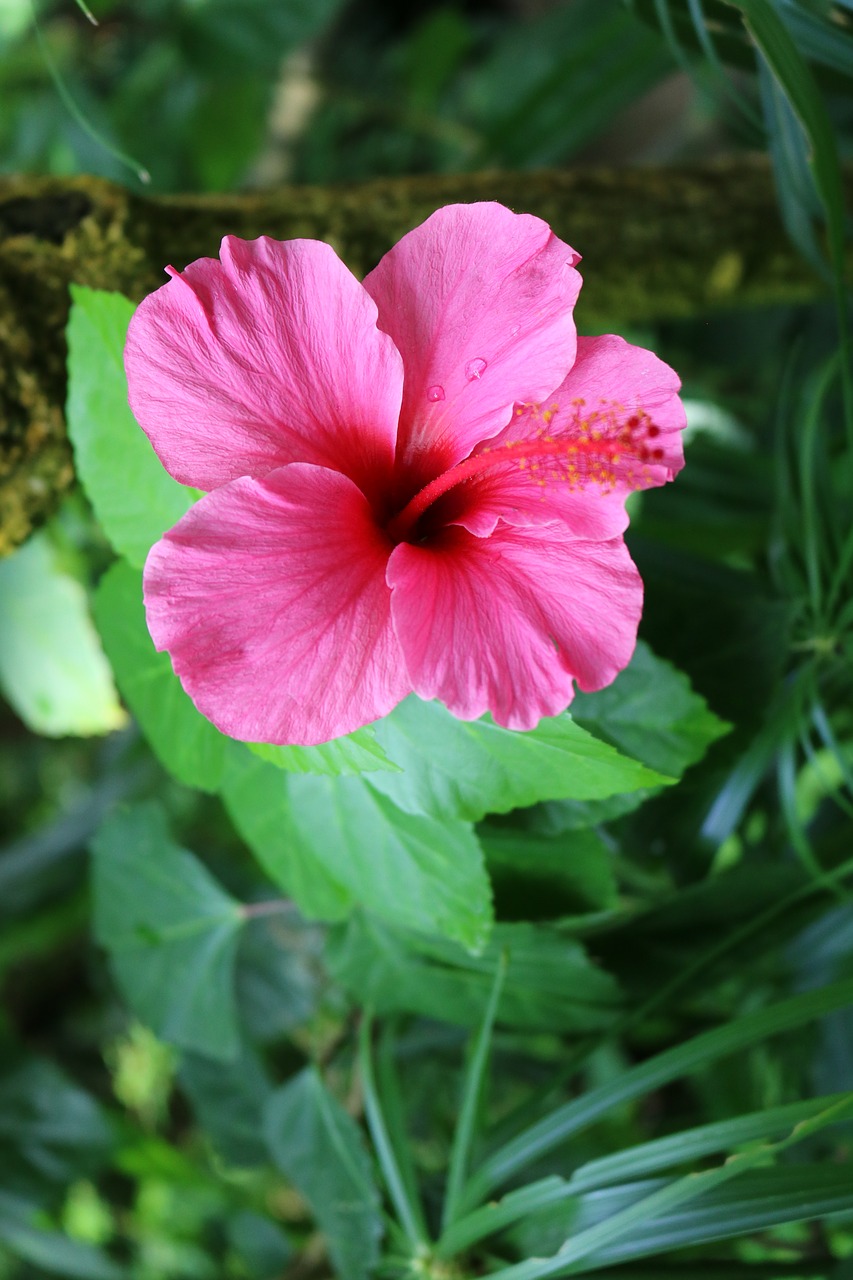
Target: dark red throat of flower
<point x="598" y="449"/>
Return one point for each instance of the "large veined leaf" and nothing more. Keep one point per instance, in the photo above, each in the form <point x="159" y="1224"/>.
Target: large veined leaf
<point x="466" y="769"/>
<point x="256" y="797"/>
<point x="52" y="668"/>
<point x="133" y="496"/>
<point x="320" y="1149"/>
<point x="357" y="752"/>
<point x="170" y="931"/>
<point x="335" y="843"/>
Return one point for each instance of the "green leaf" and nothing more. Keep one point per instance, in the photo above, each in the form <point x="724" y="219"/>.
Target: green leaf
<point x="551" y="985"/>
<point x="229" y="1098"/>
<point x="279" y="981"/>
<point x="358" y="752"/>
<point x="651" y="713"/>
<point x="51" y="1251"/>
<point x="536" y="875"/>
<point x="795" y="76"/>
<point x="256" y="797"/>
<point x="333" y="843"/>
<point x="50" y="1130"/>
<point x="133" y="496"/>
<point x="253" y="39"/>
<point x="320" y="1149"/>
<point x="466" y="769"/>
<point x="170" y="931"/>
<point x="185" y="743"/>
<point x="52" y="668"/>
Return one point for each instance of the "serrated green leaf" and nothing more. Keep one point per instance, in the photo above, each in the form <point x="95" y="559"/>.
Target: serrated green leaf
<point x="551" y="984"/>
<point x="169" y="929"/>
<point x="651" y="713"/>
<point x="133" y="496"/>
<point x="256" y="797"/>
<point x="52" y="668"/>
<point x="358" y="752"/>
<point x="320" y="1149"/>
<point x="465" y="769"/>
<point x="185" y="743"/>
<point x="334" y="843"/>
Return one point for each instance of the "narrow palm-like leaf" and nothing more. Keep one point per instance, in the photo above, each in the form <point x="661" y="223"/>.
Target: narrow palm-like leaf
<point x="400" y="1187"/>
<point x="463" y="1137"/>
<point x="570" y="1259"/>
<point x="703" y="1049"/>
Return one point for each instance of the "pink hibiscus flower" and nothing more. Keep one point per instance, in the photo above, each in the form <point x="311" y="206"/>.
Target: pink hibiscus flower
<point x="416" y="483"/>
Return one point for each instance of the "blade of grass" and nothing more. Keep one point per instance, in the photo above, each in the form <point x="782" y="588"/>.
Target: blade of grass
<point x="700" y="26"/>
<point x="74" y="111"/>
<point x="795" y="76"/>
<point x="87" y="12"/>
<point x="463" y="1137"/>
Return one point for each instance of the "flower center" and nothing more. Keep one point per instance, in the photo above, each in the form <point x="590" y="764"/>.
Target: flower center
<point x="602" y="447"/>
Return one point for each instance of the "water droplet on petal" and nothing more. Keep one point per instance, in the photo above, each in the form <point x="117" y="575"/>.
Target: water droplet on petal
<point x="435" y="393"/>
<point x="475" y="368"/>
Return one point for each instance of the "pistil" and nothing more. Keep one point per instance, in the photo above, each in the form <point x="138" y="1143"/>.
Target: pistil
<point x="590" y="451"/>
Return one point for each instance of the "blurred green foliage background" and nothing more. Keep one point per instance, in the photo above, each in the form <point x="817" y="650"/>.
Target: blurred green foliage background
<point x="127" y="1148"/>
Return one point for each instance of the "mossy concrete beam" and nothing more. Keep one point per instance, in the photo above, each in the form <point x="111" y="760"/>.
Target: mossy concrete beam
<point x="657" y="243"/>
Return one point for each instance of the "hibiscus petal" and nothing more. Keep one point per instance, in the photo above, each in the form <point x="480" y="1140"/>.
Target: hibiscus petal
<point x="479" y="302"/>
<point x="505" y="623"/>
<point x="270" y="356"/>
<point x="270" y="597"/>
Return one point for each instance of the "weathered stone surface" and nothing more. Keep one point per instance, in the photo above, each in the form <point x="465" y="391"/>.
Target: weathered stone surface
<point x="655" y="242"/>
